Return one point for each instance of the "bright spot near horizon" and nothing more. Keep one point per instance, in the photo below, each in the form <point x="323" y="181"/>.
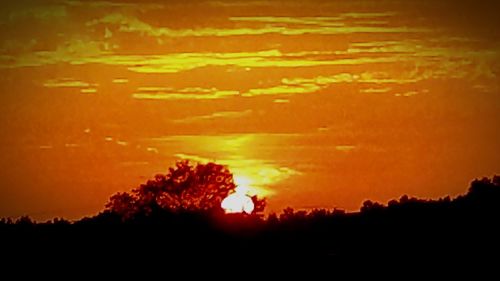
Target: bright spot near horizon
<point x="239" y="201"/>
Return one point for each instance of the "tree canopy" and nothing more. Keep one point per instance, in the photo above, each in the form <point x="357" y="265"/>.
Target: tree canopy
<point x="186" y="187"/>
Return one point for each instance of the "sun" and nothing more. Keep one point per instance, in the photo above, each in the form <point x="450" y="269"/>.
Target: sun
<point x="239" y="201"/>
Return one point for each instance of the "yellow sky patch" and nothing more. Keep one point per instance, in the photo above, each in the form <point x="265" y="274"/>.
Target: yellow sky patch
<point x="259" y="175"/>
<point x="213" y="116"/>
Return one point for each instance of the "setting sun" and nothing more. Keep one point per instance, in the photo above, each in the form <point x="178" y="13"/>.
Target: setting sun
<point x="238" y="202"/>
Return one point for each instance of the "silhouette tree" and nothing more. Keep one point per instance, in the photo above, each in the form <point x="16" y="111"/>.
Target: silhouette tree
<point x="369" y="206"/>
<point x="124" y="204"/>
<point x="186" y="187"/>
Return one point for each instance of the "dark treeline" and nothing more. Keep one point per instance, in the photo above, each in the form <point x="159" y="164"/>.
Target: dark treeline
<point x="465" y="225"/>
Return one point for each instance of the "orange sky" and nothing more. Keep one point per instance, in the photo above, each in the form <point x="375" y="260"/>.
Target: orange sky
<point x="310" y="103"/>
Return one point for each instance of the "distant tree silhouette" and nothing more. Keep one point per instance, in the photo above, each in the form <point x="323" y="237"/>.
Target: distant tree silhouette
<point x="369" y="206"/>
<point x="186" y="187"/>
<point x="124" y="204"/>
<point x="484" y="187"/>
<point x="25" y="221"/>
<point x="465" y="226"/>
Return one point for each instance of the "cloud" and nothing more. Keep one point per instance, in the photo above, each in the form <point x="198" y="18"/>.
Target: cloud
<point x="163" y="93"/>
<point x="65" y="83"/>
<point x="79" y="52"/>
<point x="321" y="80"/>
<point x="288" y="86"/>
<point x="411" y="93"/>
<point x="272" y="25"/>
<point x="73" y="51"/>
<point x="321" y="21"/>
<point x="436" y="47"/>
<point x="443" y="56"/>
<point x="21" y="10"/>
<point x="423" y="60"/>
<point x="120" y="80"/>
<point x="174" y="63"/>
<point x="339" y="24"/>
<point x="281" y="101"/>
<point x="438" y="57"/>
<point x="375" y="90"/>
<point x="301" y="85"/>
<point x="71" y="145"/>
<point x="45" y="146"/>
<point x="197" y="93"/>
<point x="378" y="77"/>
<point x="213" y="116"/>
<point x="283" y="90"/>
<point x="85" y="87"/>
<point x="15" y="45"/>
<point x="368" y="15"/>
<point x="247" y="3"/>
<point x="111" y="4"/>
<point x="88" y="91"/>
<point x="121" y="143"/>
<point x="116" y="141"/>
<point x="152" y="149"/>
<point x="345" y="148"/>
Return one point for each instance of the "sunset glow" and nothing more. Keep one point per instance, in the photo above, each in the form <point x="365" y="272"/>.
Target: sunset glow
<point x="311" y="104"/>
<point x="238" y="202"/>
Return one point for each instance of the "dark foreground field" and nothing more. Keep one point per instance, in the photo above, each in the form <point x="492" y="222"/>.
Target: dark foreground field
<point x="466" y="226"/>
